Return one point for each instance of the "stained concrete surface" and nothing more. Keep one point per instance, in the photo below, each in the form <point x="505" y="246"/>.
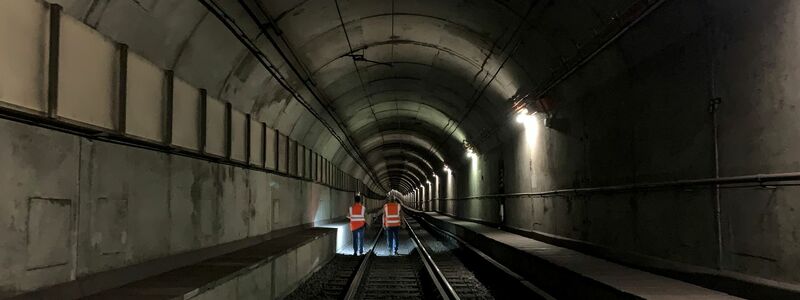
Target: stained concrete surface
<point x="118" y="205"/>
<point x="639" y="112"/>
<point x="636" y="112"/>
<point x="244" y="274"/>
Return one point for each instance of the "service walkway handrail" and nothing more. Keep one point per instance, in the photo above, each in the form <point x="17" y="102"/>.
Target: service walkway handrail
<point x="759" y="179"/>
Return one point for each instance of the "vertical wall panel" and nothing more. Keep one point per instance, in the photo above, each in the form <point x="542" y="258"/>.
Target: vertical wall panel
<point x="292" y="168"/>
<point x="308" y="164"/>
<point x="24" y="40"/>
<point x="87" y="75"/>
<point x="185" y="115"/>
<point x="145" y="95"/>
<point x="256" y="143"/>
<point x="238" y="136"/>
<point x="215" y="127"/>
<point x="300" y="160"/>
<point x="326" y="176"/>
<point x="282" y="143"/>
<point x="317" y="165"/>
<point x="313" y="166"/>
<point x="271" y="149"/>
<point x="50" y="227"/>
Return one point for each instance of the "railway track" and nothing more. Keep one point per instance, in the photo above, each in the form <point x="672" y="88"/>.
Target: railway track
<point x="433" y="269"/>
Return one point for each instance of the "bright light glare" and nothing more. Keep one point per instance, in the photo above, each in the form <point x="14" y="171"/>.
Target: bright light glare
<point x="522" y="115"/>
<point x="446" y="168"/>
<point x="471" y="154"/>
<point x="531" y="124"/>
<point x="524" y="118"/>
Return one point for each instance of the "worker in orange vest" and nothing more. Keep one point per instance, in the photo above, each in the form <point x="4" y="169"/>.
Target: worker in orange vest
<point x="357" y="225"/>
<point x="392" y="223"/>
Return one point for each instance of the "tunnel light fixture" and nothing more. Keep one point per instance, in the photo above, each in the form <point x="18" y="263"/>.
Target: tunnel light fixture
<point x="428" y="181"/>
<point x="521" y="115"/>
<point x="524" y="117"/>
<point x="446" y="169"/>
<point x="471" y="153"/>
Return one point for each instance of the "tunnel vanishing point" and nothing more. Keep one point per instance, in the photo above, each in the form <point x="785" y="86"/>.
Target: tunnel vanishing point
<point x="210" y="149"/>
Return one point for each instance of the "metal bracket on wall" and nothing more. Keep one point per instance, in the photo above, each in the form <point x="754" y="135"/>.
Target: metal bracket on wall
<point x="713" y="104"/>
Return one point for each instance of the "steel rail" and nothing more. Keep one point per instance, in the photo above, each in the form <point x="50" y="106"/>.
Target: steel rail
<point x="446" y="290"/>
<point x="533" y="289"/>
<point x="355" y="283"/>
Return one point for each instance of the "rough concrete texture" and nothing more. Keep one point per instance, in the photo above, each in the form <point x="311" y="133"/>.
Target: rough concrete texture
<point x="181" y="35"/>
<point x="39" y="166"/>
<point x="639" y="112"/>
<point x="75" y="207"/>
<point x="276" y="277"/>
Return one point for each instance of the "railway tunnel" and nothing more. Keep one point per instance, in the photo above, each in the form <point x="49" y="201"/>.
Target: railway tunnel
<point x="210" y="149"/>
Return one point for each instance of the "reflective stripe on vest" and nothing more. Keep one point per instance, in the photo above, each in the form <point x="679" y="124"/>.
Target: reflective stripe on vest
<point x="357" y="216"/>
<point x="389" y="218"/>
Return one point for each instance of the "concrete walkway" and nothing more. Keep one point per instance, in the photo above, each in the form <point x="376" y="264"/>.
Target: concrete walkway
<point x="569" y="273"/>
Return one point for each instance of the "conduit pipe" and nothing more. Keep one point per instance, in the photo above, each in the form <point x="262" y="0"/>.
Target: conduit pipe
<point x="760" y="179"/>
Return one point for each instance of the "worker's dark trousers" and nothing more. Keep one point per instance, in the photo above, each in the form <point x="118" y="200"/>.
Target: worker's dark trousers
<point x="358" y="240"/>
<point x="392" y="238"/>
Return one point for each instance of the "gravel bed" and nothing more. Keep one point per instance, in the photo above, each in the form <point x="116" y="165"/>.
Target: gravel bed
<point x="444" y="252"/>
<point x="330" y="281"/>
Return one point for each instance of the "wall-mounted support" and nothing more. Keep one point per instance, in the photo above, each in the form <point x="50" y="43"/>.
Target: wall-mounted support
<point x="122" y="85"/>
<point x="247" y="141"/>
<point x="169" y="106"/>
<point x="228" y="130"/>
<point x="202" y="122"/>
<point x="53" y="60"/>
<point x="277" y="151"/>
<point x="288" y="153"/>
<point x="263" y="144"/>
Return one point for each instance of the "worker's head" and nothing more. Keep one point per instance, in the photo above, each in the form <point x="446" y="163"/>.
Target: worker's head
<point x="357" y="199"/>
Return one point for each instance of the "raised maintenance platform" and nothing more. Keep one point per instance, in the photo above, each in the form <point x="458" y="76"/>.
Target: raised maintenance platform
<point x="565" y="273"/>
<point x="269" y="269"/>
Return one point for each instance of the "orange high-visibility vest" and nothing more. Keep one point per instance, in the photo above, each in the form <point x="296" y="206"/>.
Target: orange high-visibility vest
<point x="391" y="215"/>
<point x="356" y="216"/>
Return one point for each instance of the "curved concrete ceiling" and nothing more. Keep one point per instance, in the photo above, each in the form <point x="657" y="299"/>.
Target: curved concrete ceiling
<point x="353" y="78"/>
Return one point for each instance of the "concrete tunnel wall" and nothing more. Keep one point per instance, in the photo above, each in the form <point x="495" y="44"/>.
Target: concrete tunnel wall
<point x="639" y="112"/>
<point x="75" y="206"/>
